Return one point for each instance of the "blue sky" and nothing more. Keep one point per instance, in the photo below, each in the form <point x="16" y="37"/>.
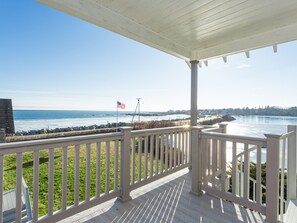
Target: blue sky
<point x="50" y="60"/>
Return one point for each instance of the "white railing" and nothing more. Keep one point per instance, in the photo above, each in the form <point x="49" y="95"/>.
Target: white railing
<point x="244" y="169"/>
<point x="157" y="153"/>
<point x="97" y="168"/>
<point x="217" y="172"/>
<point x="91" y="169"/>
<point x="287" y="149"/>
<point x="255" y="163"/>
<point x="61" y="157"/>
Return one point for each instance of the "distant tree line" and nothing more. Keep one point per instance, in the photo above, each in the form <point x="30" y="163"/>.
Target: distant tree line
<point x="267" y="110"/>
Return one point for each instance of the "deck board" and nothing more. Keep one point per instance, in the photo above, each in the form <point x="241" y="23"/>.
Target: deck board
<point x="168" y="200"/>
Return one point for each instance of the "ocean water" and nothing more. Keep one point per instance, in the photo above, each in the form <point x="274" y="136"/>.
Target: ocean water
<point x="243" y="125"/>
<point x="50" y="119"/>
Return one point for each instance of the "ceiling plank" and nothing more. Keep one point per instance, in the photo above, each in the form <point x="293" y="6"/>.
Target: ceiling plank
<point x="260" y="40"/>
<point x="95" y="13"/>
<point x="191" y="29"/>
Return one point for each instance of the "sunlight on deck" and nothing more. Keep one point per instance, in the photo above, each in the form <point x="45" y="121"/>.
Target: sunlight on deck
<point x="168" y="200"/>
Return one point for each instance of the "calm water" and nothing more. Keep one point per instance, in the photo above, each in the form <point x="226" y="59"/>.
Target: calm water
<point x="259" y="125"/>
<point x="39" y="119"/>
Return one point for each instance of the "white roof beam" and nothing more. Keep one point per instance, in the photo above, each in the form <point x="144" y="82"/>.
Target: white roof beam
<point x="225" y="59"/>
<point x="188" y="63"/>
<point x="247" y="54"/>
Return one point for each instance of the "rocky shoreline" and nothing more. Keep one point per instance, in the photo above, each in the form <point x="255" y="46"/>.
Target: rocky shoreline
<point x="110" y="127"/>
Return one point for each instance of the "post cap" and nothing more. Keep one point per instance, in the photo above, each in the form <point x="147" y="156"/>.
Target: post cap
<point x="275" y="136"/>
<point x="199" y="128"/>
<point x="125" y="128"/>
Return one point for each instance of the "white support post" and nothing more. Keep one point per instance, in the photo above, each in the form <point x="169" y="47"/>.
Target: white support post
<point x="194" y="87"/>
<point x="125" y="165"/>
<point x="291" y="177"/>
<point x="272" y="178"/>
<point x="196" y="160"/>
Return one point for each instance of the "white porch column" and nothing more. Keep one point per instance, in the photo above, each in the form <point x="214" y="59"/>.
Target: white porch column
<point x="194" y="87"/>
<point x="272" y="178"/>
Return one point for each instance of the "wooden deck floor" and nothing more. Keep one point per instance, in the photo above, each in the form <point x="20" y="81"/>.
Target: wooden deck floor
<point x="168" y="200"/>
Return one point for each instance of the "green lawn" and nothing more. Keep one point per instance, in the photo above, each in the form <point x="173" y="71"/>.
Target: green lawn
<point x="10" y="173"/>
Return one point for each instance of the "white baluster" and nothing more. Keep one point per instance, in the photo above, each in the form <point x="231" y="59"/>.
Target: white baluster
<point x="76" y="176"/>
<point x="64" y="178"/>
<point x="171" y="149"/>
<point x="98" y="162"/>
<point x="235" y="185"/>
<point x="223" y="165"/>
<point x="258" y="175"/>
<point x="107" y="168"/>
<point x="291" y="177"/>
<point x="151" y="155"/>
<point x="19" y="175"/>
<point x="162" y="153"/>
<point x="133" y="159"/>
<point x="88" y="171"/>
<point x="36" y="185"/>
<point x="214" y="161"/>
<point x="139" y="158"/>
<point x="145" y="156"/>
<point x="157" y="154"/>
<point x="1" y="189"/>
<point x="51" y="182"/>
<point x="246" y="167"/>
<point x="116" y="159"/>
<point x="166" y="152"/>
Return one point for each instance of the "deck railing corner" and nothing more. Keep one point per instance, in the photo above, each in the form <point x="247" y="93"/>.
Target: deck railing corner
<point x="196" y="148"/>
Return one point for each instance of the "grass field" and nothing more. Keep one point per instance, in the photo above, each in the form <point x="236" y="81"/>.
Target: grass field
<point x="10" y="173"/>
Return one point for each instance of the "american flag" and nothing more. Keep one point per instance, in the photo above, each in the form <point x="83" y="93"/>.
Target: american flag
<point x="121" y="105"/>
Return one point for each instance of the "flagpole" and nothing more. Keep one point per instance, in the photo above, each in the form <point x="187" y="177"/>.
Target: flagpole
<point x="117" y="123"/>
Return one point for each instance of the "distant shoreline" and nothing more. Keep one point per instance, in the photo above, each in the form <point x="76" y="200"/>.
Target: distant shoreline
<point x="110" y="127"/>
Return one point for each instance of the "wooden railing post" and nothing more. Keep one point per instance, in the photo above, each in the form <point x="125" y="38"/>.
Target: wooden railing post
<point x="223" y="127"/>
<point x="196" y="160"/>
<point x="125" y="164"/>
<point x="272" y="178"/>
<point x="291" y="174"/>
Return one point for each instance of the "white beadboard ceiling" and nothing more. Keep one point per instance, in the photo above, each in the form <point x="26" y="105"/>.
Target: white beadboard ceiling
<point x="192" y="29"/>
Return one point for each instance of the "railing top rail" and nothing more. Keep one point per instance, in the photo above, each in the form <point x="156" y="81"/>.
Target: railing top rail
<point x="159" y="130"/>
<point x="72" y="139"/>
<point x="230" y="137"/>
<point x="287" y="135"/>
<point x="211" y="129"/>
